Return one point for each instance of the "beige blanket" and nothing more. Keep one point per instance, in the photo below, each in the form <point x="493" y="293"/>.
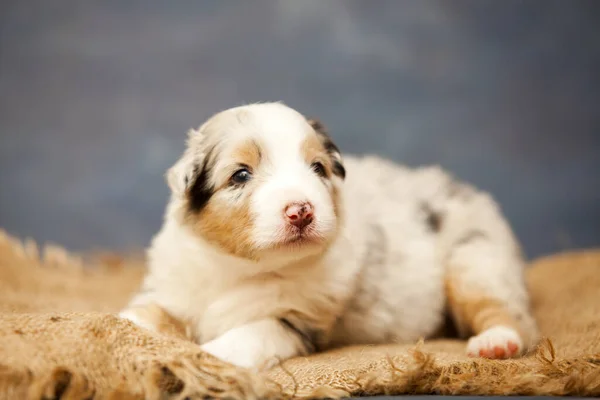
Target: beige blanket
<point x="60" y="340"/>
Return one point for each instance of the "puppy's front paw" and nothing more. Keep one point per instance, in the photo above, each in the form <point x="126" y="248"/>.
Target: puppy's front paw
<point x="259" y="345"/>
<point x="497" y="342"/>
<point x="231" y="352"/>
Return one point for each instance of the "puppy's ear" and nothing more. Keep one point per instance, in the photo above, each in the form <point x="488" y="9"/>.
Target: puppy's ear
<point x="180" y="175"/>
<point x="332" y="149"/>
<point x="189" y="176"/>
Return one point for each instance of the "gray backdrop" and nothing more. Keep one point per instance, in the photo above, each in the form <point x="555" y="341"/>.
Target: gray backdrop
<point x="96" y="97"/>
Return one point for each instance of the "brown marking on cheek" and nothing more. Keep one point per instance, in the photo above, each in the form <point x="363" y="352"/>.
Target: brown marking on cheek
<point x="228" y="226"/>
<point x="220" y="222"/>
<point x="474" y="312"/>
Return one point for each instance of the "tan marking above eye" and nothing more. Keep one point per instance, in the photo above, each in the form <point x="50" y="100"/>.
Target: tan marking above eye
<point x="313" y="151"/>
<point x="311" y="148"/>
<point x="248" y="153"/>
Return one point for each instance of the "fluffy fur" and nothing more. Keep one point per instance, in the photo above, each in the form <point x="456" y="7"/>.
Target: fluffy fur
<point x="388" y="252"/>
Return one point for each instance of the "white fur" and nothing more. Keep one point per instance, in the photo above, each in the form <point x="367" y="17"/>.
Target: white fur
<point x="350" y="294"/>
<point x="259" y="344"/>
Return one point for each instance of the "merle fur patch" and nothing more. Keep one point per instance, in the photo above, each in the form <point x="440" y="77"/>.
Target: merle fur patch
<point x="434" y="219"/>
<point x="372" y="264"/>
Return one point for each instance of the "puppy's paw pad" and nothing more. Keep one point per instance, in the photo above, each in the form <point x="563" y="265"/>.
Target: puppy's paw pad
<point x="498" y="342"/>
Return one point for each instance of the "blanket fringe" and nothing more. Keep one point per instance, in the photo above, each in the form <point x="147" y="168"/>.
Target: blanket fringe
<point x="50" y="256"/>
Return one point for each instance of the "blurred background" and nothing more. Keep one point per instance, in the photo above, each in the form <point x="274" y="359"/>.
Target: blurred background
<point x="96" y="98"/>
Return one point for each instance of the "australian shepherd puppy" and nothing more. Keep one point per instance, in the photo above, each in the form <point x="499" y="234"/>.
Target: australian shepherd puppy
<point x="273" y="246"/>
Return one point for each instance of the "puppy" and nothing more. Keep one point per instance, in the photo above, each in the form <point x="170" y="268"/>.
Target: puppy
<point x="273" y="246"/>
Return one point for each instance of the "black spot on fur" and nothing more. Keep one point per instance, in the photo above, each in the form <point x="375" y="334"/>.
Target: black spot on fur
<point x="470" y="236"/>
<point x="308" y="336"/>
<point x="434" y="219"/>
<point x="200" y="191"/>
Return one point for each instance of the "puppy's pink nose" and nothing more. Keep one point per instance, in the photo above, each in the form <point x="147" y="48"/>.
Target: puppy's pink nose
<point x="299" y="214"/>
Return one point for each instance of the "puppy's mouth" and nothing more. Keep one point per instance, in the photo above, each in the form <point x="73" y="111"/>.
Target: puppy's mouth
<point x="301" y="236"/>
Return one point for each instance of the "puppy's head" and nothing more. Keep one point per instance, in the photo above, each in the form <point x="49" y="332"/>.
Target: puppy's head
<point x="260" y="180"/>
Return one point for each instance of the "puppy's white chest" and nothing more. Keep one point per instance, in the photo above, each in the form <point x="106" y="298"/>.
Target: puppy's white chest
<point x="308" y="291"/>
<point x="243" y="302"/>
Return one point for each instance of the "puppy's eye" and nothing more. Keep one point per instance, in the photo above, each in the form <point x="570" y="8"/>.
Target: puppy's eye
<point x="319" y="169"/>
<point x="241" y="176"/>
